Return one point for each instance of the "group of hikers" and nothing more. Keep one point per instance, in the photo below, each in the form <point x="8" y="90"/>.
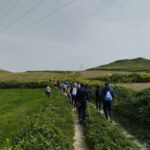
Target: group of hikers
<point x="79" y="94"/>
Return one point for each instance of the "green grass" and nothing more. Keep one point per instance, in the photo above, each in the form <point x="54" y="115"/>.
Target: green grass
<point x="16" y="105"/>
<point x="141" y="133"/>
<point x="52" y="129"/>
<point x="138" y="64"/>
<point x="103" y="135"/>
<point x="19" y="106"/>
<point x="37" y="76"/>
<point x="132" y="111"/>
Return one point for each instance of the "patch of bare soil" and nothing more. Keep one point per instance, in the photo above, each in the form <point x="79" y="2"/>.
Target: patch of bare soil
<point x="79" y="138"/>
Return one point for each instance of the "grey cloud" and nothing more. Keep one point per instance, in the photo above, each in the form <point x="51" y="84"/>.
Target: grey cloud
<point x="88" y="32"/>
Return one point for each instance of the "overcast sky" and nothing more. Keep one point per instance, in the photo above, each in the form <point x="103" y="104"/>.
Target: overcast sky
<point x="87" y="32"/>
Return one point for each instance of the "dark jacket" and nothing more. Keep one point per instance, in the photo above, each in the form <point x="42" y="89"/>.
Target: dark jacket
<point x="98" y="94"/>
<point x="82" y="95"/>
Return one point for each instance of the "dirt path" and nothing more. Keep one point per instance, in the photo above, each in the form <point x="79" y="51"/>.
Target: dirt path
<point x="137" y="142"/>
<point x="79" y="138"/>
<point x="142" y="146"/>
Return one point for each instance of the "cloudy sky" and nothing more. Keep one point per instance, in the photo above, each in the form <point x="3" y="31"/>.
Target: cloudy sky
<point x="87" y="32"/>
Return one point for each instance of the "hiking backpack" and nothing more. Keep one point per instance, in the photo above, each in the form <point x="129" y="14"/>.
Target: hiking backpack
<point x="108" y="96"/>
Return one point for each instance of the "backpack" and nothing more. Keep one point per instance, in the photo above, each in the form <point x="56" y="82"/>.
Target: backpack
<point x="108" y="96"/>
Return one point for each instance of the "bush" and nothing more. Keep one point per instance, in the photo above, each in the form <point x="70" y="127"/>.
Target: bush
<point x="102" y="135"/>
<point x="40" y="135"/>
<point x="17" y="84"/>
<point x="132" y="110"/>
<point x="134" y="105"/>
<point x="126" y="78"/>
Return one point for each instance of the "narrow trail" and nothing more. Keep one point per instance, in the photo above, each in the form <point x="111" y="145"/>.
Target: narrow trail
<point x="79" y="138"/>
<point x="142" y="146"/>
<point x="136" y="141"/>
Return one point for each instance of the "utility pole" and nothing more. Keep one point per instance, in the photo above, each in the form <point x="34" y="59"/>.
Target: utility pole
<point x="81" y="67"/>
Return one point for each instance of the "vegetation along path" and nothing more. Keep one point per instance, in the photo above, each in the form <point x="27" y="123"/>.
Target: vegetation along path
<point x="79" y="138"/>
<point x="142" y="146"/>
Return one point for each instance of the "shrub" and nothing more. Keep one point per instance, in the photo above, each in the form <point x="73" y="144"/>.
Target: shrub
<point x="102" y="135"/>
<point x="132" y="108"/>
<point x="17" y="84"/>
<point x="126" y="78"/>
<point x="40" y="135"/>
<point x="133" y="105"/>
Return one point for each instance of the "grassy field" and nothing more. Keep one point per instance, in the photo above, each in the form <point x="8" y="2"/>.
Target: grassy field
<point x="134" y="86"/>
<point x="97" y="73"/>
<point x="25" y="112"/>
<point x="36" y="76"/>
<point x="133" y="65"/>
<point x="45" y="76"/>
<point x="20" y="105"/>
<point x="16" y="105"/>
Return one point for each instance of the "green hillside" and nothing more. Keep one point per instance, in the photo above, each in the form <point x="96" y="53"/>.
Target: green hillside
<point x="138" y="64"/>
<point x="1" y="70"/>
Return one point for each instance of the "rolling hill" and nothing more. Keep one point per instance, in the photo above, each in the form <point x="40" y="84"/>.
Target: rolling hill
<point x="4" y="71"/>
<point x="138" y="64"/>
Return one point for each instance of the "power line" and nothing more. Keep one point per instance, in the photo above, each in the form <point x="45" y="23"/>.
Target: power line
<point x="11" y="8"/>
<point x="20" y="17"/>
<point x="43" y="18"/>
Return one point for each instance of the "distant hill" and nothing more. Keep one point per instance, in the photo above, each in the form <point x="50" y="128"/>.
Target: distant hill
<point x="138" y="64"/>
<point x="1" y="70"/>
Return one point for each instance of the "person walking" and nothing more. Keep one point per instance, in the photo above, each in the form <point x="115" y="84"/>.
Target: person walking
<point x="48" y="91"/>
<point x="98" y="95"/>
<point x="108" y="96"/>
<point x="74" y="93"/>
<point x="82" y="98"/>
<point x="88" y="89"/>
<point x="69" y="91"/>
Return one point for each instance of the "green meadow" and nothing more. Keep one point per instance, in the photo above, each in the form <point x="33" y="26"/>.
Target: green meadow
<point x="16" y="105"/>
<point x="22" y="112"/>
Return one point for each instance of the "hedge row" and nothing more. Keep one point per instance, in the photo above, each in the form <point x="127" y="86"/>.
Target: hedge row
<point x="17" y="84"/>
<point x="125" y="78"/>
<point x="133" y="108"/>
